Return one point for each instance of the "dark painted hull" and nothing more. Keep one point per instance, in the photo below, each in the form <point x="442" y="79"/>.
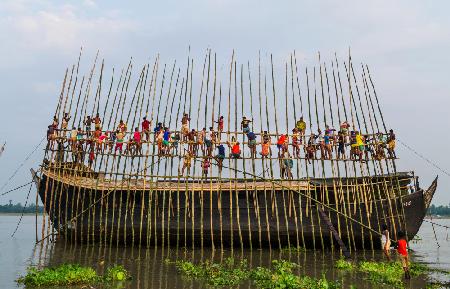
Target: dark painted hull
<point x="259" y="218"/>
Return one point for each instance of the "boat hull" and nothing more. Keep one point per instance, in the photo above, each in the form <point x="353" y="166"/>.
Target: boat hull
<point x="271" y="217"/>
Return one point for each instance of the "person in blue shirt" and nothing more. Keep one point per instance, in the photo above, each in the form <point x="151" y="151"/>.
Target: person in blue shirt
<point x="252" y="143"/>
<point x="220" y="156"/>
<point x="166" y="140"/>
<point x="158" y="128"/>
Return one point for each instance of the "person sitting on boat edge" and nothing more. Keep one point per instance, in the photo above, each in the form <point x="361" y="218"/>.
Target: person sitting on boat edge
<point x="245" y="124"/>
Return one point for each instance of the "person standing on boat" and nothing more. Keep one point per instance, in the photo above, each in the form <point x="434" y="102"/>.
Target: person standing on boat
<point x="391" y="144"/>
<point x="386" y="242"/>
<point x="185" y="126"/>
<point x="301" y="126"/>
<point x="265" y="145"/>
<point x="205" y="166"/>
<point x="296" y="141"/>
<point x="65" y="123"/>
<point x="146" y="128"/>
<point x="341" y="146"/>
<point x="97" y="122"/>
<point x="288" y="164"/>
<point x="166" y="141"/>
<point x="87" y="125"/>
<point x="187" y="161"/>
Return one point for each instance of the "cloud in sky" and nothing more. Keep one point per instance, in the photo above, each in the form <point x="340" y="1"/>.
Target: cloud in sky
<point x="405" y="42"/>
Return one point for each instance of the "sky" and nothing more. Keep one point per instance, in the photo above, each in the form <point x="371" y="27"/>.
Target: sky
<point x="405" y="43"/>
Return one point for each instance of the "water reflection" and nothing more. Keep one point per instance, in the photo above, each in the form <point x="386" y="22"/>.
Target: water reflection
<point x="149" y="268"/>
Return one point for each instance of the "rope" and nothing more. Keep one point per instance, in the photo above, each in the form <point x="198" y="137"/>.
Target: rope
<point x="15" y="189"/>
<point x="23" y="211"/>
<point x="424" y="158"/>
<point x="447" y="227"/>
<point x="21" y="165"/>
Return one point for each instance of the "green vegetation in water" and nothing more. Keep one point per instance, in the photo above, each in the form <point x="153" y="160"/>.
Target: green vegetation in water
<point x="229" y="273"/>
<point x="343" y="264"/>
<point x="281" y="276"/>
<point x="70" y="274"/>
<point x="391" y="273"/>
<point x="232" y="273"/>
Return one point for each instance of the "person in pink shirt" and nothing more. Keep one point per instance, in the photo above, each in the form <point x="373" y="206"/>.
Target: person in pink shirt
<point x="137" y="137"/>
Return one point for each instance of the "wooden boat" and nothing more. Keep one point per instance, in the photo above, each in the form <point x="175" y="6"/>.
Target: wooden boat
<point x="135" y="196"/>
<point x="231" y="212"/>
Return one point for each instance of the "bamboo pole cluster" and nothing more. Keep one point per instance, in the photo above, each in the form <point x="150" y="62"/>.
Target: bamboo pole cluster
<point x="110" y="170"/>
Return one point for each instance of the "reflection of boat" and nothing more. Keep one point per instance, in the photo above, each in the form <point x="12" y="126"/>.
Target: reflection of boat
<point x="2" y="149"/>
<point x="277" y="213"/>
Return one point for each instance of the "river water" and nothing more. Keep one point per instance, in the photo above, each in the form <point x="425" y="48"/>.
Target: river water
<point x="149" y="269"/>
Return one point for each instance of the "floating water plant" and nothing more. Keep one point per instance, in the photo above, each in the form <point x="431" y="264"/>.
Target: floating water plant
<point x="70" y="274"/>
<point x="281" y="276"/>
<point x="232" y="273"/>
<point x="228" y="273"/>
<point x="343" y="264"/>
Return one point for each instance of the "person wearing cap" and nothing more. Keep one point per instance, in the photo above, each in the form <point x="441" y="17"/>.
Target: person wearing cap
<point x="245" y="124"/>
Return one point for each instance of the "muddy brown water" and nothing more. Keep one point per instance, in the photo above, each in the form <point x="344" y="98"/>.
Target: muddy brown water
<point x="149" y="269"/>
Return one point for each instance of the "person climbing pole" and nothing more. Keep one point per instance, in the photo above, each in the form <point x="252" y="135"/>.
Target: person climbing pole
<point x="301" y="126"/>
<point x="245" y="124"/>
<point x="205" y="166"/>
<point x="391" y="144"/>
<point x="187" y="161"/>
<point x="185" y="126"/>
<point x="220" y="156"/>
<point x="97" y="122"/>
<point x="146" y="128"/>
<point x="296" y="141"/>
<point x="252" y="143"/>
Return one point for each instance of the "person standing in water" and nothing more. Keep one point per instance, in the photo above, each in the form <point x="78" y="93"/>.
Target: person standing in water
<point x="386" y="242"/>
<point x="402" y="250"/>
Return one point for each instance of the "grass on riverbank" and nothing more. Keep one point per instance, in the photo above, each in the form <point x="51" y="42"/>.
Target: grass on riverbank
<point x="71" y="274"/>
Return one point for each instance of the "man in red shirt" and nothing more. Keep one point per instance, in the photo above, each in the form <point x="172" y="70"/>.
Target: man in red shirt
<point x="402" y="250"/>
<point x="146" y="128"/>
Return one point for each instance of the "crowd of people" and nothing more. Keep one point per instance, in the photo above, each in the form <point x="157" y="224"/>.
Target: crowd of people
<point x="342" y="144"/>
